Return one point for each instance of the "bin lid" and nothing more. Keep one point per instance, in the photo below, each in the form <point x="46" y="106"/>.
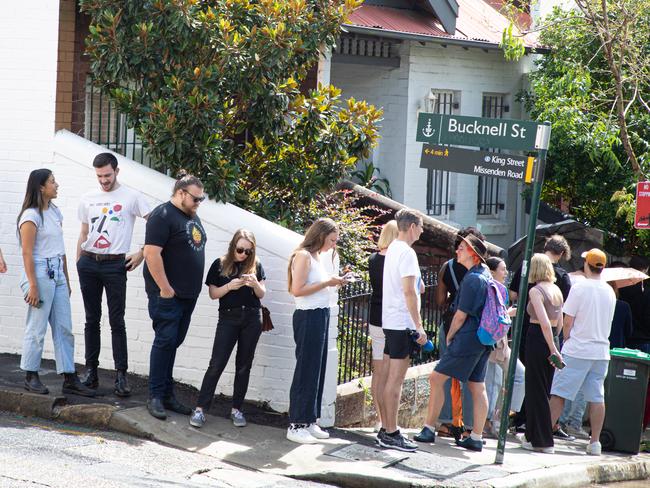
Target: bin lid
<point x="630" y="354"/>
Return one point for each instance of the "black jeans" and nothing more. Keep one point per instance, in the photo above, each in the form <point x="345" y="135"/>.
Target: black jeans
<point x="310" y="331"/>
<point x="171" y="319"/>
<point x="94" y="278"/>
<point x="235" y="326"/>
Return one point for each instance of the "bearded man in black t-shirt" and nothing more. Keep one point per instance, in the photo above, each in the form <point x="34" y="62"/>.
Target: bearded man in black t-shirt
<point x="174" y="251"/>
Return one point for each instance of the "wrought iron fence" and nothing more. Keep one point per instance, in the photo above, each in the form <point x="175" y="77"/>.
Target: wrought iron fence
<point x="355" y="354"/>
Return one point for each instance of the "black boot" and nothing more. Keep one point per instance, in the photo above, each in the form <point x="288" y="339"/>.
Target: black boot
<point x="91" y="379"/>
<point x="72" y="385"/>
<point x="156" y="409"/>
<point x="33" y="383"/>
<point x="122" y="388"/>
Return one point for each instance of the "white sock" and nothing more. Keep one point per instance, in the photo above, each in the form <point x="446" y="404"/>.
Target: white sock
<point x="430" y="427"/>
<point x="475" y="437"/>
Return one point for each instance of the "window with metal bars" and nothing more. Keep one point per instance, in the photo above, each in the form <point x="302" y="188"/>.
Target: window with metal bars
<point x="439" y="102"/>
<point x="105" y="126"/>
<point x="488" y="200"/>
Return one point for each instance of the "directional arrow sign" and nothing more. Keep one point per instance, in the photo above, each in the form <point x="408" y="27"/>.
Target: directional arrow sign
<point x="481" y="163"/>
<point x="482" y="132"/>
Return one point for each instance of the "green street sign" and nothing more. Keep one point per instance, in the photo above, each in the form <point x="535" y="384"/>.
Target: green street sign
<point x="480" y="163"/>
<point x="484" y="132"/>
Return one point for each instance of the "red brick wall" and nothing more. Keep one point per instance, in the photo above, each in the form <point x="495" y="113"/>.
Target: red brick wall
<point x="65" y="65"/>
<point x="80" y="74"/>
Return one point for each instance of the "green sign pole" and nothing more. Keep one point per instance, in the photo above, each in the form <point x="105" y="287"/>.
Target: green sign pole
<point x="523" y="294"/>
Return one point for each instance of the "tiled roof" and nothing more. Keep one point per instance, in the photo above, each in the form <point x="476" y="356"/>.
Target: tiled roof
<point x="477" y="21"/>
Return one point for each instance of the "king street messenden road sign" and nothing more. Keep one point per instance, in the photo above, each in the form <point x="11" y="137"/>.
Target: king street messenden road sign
<point x="481" y="163"/>
<point x="483" y="132"/>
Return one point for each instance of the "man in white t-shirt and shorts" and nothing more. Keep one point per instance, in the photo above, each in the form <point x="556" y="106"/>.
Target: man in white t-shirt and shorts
<point x="107" y="217"/>
<point x="400" y="315"/>
<point x="588" y="313"/>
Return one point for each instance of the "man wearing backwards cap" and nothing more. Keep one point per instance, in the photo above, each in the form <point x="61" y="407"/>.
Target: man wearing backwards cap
<point x="588" y="313"/>
<point x="465" y="358"/>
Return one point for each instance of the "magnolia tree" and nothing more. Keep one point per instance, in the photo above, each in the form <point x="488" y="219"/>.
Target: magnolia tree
<point x="214" y="87"/>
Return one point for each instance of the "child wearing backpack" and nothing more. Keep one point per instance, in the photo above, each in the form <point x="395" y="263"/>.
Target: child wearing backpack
<point x="466" y="357"/>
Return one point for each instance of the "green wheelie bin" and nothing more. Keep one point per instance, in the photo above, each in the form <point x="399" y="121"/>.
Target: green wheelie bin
<point x="626" y="387"/>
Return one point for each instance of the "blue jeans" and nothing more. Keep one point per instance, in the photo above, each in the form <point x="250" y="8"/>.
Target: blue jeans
<point x="468" y="405"/>
<point x="310" y="331"/>
<point x="494" y="382"/>
<point x="55" y="309"/>
<point x="171" y="319"/>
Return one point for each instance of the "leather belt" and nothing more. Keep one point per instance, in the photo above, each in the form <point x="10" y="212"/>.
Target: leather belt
<point x="102" y="257"/>
<point x="240" y="308"/>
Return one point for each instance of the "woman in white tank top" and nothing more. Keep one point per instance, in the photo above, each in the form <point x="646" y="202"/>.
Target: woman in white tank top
<point x="308" y="283"/>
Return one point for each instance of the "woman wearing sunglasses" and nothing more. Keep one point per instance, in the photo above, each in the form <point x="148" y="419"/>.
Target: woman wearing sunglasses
<point x="237" y="281"/>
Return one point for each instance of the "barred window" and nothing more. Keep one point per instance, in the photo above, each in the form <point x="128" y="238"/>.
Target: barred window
<point x="439" y="102"/>
<point x="488" y="201"/>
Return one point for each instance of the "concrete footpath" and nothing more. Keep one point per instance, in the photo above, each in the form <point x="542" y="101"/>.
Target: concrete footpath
<point x="350" y="458"/>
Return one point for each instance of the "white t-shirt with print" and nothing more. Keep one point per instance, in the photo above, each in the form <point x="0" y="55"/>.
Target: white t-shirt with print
<point x="49" y="231"/>
<point x="401" y="261"/>
<point x="110" y="217"/>
<point x="592" y="303"/>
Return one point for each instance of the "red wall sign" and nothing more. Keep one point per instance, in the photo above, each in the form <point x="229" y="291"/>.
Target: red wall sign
<point x="642" y="215"/>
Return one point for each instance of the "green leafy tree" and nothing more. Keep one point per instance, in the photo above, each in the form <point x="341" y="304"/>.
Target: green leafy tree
<point x="594" y="87"/>
<point x="213" y="86"/>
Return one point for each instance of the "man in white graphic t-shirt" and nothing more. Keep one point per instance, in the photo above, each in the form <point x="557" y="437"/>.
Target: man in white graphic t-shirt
<point x="107" y="217"/>
<point x="588" y="313"/>
<point x="400" y="316"/>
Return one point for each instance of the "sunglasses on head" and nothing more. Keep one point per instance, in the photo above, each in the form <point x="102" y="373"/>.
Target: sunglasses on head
<point x="241" y="250"/>
<point x="196" y="199"/>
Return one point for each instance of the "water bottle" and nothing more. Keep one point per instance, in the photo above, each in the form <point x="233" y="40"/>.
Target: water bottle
<point x="427" y="346"/>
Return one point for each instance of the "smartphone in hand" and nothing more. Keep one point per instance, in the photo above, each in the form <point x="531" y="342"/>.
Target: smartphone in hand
<point x="554" y="359"/>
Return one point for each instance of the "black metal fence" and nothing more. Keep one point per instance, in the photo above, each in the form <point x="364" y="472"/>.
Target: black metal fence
<point x="355" y="353"/>
<point x="106" y="126"/>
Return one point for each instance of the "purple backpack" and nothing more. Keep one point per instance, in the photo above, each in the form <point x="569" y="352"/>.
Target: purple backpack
<point x="495" y="321"/>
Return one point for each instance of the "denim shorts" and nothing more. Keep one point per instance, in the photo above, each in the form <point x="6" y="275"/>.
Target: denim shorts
<point x="465" y="358"/>
<point x="586" y="374"/>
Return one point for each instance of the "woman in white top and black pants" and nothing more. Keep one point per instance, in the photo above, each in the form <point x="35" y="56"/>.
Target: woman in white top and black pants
<point x="308" y="283"/>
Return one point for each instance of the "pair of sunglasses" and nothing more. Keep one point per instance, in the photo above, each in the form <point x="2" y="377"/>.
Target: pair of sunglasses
<point x="241" y="250"/>
<point x="196" y="199"/>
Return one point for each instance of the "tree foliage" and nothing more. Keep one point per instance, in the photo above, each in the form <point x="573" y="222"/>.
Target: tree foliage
<point x="594" y="88"/>
<point x="214" y="87"/>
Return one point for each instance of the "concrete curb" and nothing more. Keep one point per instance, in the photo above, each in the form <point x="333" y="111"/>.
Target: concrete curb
<point x="576" y="475"/>
<point x="51" y="407"/>
<point x="30" y="404"/>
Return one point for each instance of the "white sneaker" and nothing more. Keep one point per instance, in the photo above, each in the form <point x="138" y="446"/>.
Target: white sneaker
<point x="529" y="447"/>
<point x="315" y="430"/>
<point x="595" y="449"/>
<point x="301" y="436"/>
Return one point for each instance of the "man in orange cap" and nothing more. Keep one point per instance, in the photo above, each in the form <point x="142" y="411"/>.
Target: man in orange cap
<point x="588" y="313"/>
